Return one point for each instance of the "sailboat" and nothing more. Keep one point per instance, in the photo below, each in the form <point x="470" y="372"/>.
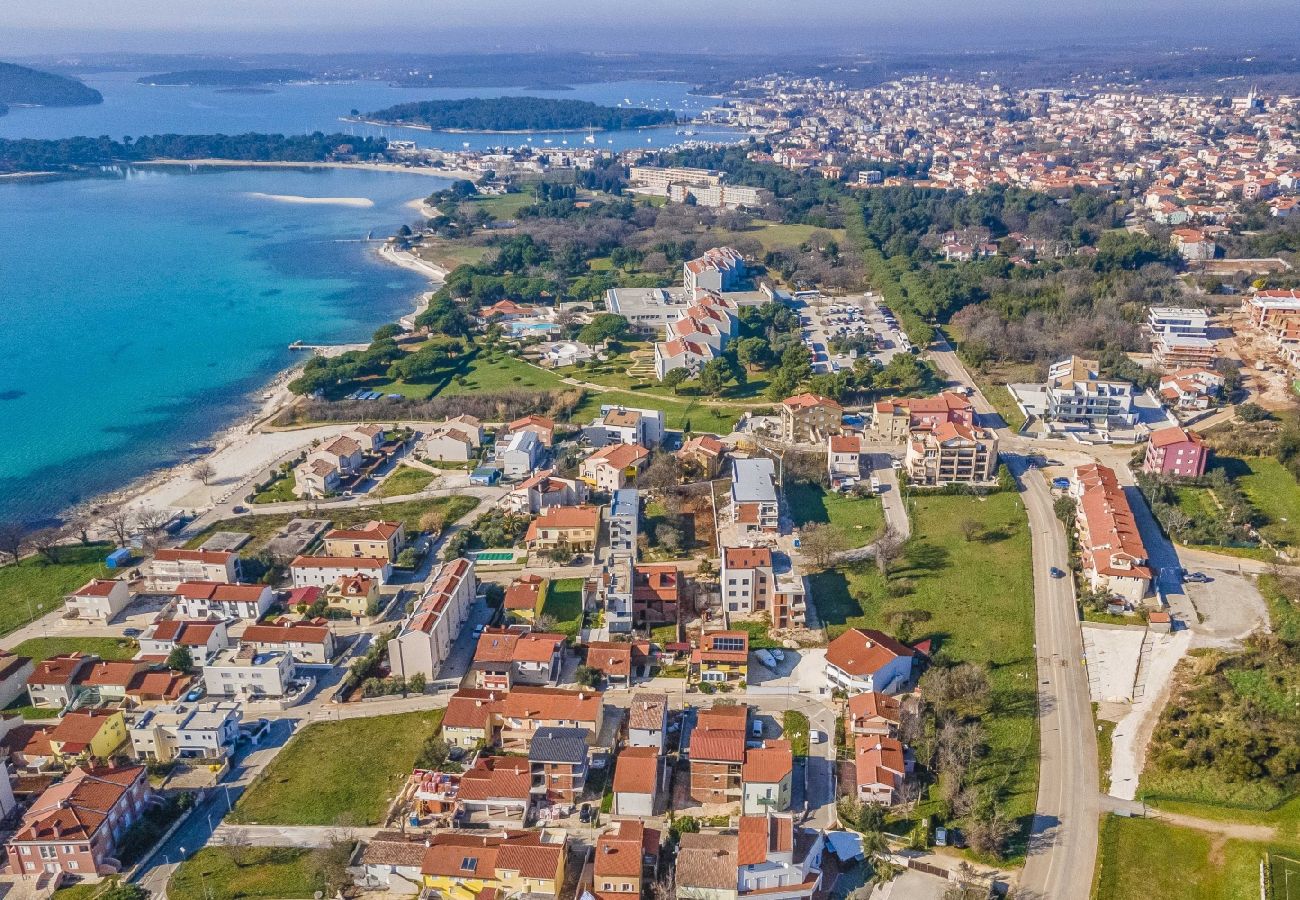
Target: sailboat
<point x="591" y="137"/>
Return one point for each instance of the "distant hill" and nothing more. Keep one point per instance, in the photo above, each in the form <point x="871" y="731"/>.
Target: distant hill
<point x="519" y="114"/>
<point x="20" y="85"/>
<point x="226" y="77"/>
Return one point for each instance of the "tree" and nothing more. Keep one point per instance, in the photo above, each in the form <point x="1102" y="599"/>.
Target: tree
<point x="181" y="659"/>
<point x="124" y="892"/>
<point x="330" y="863"/>
<point x="13" y="540"/>
<point x="754" y="353"/>
<point x="204" y="471"/>
<point x="971" y="529"/>
<point x="663" y="473"/>
<point x="120" y="521"/>
<point x="603" y="327"/>
<point x="433" y="522"/>
<point x="151" y="522"/>
<point x="45" y="541"/>
<point x="418" y="683"/>
<point x="821" y="543"/>
<point x="434" y="751"/>
<point x="668" y="536"/>
<point x="587" y="676"/>
<point x="987" y="830"/>
<point x="714" y="376"/>
<point x="674" y="378"/>
<point x="887" y="548"/>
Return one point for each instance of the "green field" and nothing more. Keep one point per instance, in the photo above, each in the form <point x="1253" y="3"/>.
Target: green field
<point x="979" y="597"/>
<point x="700" y="416"/>
<point x="245" y="873"/>
<point x="794" y="728"/>
<point x="338" y="773"/>
<point x="409" y="512"/>
<point x="476" y="372"/>
<point x="280" y="490"/>
<point x="562" y="601"/>
<point x="35" y="585"/>
<point x="775" y="235"/>
<point x="857" y="519"/>
<point x="404" y="480"/>
<point x="109" y="648"/>
<point x="1143" y="859"/>
<point x="1273" y="491"/>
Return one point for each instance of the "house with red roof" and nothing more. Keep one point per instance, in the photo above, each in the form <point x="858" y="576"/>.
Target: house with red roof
<point x="541" y="426"/>
<point x="497" y="791"/>
<point x="717" y="753"/>
<point x="766" y="778"/>
<point x="810" y="419"/>
<point x="767" y="856"/>
<point x="873" y="713"/>
<point x="844" y="459"/>
<point x="701" y="457"/>
<point x="951" y="453"/>
<point x="307" y="642"/>
<point x="505" y="657"/>
<point x="1113" y="553"/>
<point x="98" y="600"/>
<point x="1176" y="452"/>
<point x="620" y="663"/>
<point x="656" y="594"/>
<point x="373" y="540"/>
<point x="204" y="638"/>
<point x="172" y="566"/>
<point x="574" y="527"/>
<point x="612" y="467"/>
<point x="721" y="656"/>
<point x="208" y="599"/>
<point x="323" y="571"/>
<point x="55" y="682"/>
<point x="863" y="659"/>
<point x="543" y="490"/>
<point x="639" y="780"/>
<point x="522" y="597"/>
<point x="74" y="826"/>
<point x="625" y="861"/>
<point x="461" y="865"/>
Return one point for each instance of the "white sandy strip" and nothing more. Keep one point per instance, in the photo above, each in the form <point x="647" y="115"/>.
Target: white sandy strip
<point x="412" y="262"/>
<point x="358" y="202"/>
<point x="1133" y="732"/>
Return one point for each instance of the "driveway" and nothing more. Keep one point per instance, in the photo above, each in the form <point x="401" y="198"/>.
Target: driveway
<point x="802" y="671"/>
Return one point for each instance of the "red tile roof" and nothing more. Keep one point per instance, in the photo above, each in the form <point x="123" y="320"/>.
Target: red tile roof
<point x="860" y="652"/>
<point x="636" y="770"/>
<point x="768" y="764"/>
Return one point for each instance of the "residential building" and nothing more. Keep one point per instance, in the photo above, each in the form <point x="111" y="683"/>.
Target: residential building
<point x="717" y="753"/>
<point x="393" y="858"/>
<point x="14" y="672"/>
<point x="638" y="781"/>
<point x="952" y="454"/>
<point x="1179" y="321"/>
<point x="626" y="425"/>
<point x="55" y="682"/>
<point x="721" y="196"/>
<point x="1191" y="389"/>
<point x="624" y="521"/>
<point x="722" y="656"/>
<point x="844" y="460"/>
<point x="172" y="566"/>
<point x="87" y="735"/>
<point x="543" y="491"/>
<point x="1114" y="556"/>
<point x="620" y="663"/>
<point x="523" y="710"/>
<point x="324" y="571"/>
<point x="559" y="759"/>
<point x="425" y="639"/>
<point x="1176" y="451"/>
<point x="506" y="657"/>
<point x="769" y="858"/>
<point x="1076" y="393"/>
<point x="758" y="580"/>
<point x="576" y="528"/>
<point x="459" y="864"/>
<point x="455" y="440"/>
<point x="810" y="419"/>
<point x="616" y="588"/>
<point x="862" y="659"/>
<point x="657" y="180"/>
<point x="1175" y="352"/>
<point x="203" y="638"/>
<point x="520" y="454"/>
<point x="1193" y="244"/>
<point x="647" y="721"/>
<point x="75" y="825"/>
<point x="755" y="505"/>
<point x="523" y="596"/>
<point x="497" y="791"/>
<point x="192" y="731"/>
<point x="766" y="778"/>
<point x="373" y="540"/>
<point x="316" y="479"/>
<point x="204" y="599"/>
<point x="151" y="688"/>
<point x="701" y="457"/>
<point x="719" y="269"/>
<point x="99" y="600"/>
<point x="880" y="765"/>
<point x="656" y="594"/>
<point x="683" y="353"/>
<point x="625" y="861"/>
<point x="541" y="426"/>
<point x="307" y="642"/>
<point x="356" y="594"/>
<point x="107" y="681"/>
<point x="613" y="466"/>
<point x="370" y="438"/>
<point x="873" y="713"/>
<point x="468" y="718"/>
<point x="248" y="673"/>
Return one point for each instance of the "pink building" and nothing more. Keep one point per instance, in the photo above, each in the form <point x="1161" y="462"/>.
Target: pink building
<point x="1176" y="451"/>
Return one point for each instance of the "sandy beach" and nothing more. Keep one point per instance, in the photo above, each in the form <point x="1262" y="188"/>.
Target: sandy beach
<point x="356" y="202"/>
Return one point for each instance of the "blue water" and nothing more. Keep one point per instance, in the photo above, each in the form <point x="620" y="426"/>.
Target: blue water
<point x="143" y="314"/>
<point x="130" y="108"/>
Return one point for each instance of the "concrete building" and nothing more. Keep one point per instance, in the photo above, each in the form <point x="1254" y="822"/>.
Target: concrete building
<point x="373" y="540"/>
<point x="325" y="571"/>
<point x="1177" y="321"/>
<point x="207" y="599"/>
<point x="202" y="638"/>
<point x="200" y="731"/>
<point x="719" y="269"/>
<point x="612" y="467"/>
<point x="810" y="419"/>
<point x="863" y="660"/>
<point x="755" y="505"/>
<point x="427" y="634"/>
<point x="1178" y="452"/>
<point x="717" y="753"/>
<point x="769" y="857"/>
<point x="559" y="759"/>
<point x="247" y="673"/>
<point x="623" y="521"/>
<point x="99" y="600"/>
<point x="574" y="527"/>
<point x="306" y="642"/>
<point x="647" y="721"/>
<point x="758" y="580"/>
<point x="1076" y="393"/>
<point x="952" y="454"/>
<point x="638" y="781"/>
<point x="521" y="454"/>
<point x="626" y="425"/>
<point x="170" y="567"/>
<point x="767" y="778"/>
<point x="1114" y="556"/>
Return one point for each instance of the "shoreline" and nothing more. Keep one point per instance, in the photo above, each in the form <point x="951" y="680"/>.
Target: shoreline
<point x="241" y="450"/>
<point x="381" y="123"/>
<point x="451" y="174"/>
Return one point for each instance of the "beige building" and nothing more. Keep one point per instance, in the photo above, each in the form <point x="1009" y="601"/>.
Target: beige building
<point x="374" y="540"/>
<point x="810" y="419"/>
<point x="170" y="567"/>
<point x="425" y="639"/>
<point x="99" y="600"/>
<point x="952" y="454"/>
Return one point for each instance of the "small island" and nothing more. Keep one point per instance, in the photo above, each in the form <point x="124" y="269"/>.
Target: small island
<point x="229" y="78"/>
<point x="21" y="86"/>
<point x="517" y="114"/>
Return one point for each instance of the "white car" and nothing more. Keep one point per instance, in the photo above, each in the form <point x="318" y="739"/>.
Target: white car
<point x="766" y="658"/>
<point x="817" y="737"/>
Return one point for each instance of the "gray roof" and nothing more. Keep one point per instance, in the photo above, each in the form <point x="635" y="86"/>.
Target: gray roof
<point x="754" y="481"/>
<point x="558" y="745"/>
<point x="626" y="503"/>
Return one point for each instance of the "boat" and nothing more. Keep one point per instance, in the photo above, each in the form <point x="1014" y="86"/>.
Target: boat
<point x="465" y="144"/>
<point x="546" y="140"/>
<point x="590" y="138"/>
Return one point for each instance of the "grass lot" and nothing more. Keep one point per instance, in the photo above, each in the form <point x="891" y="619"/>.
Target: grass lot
<point x="1273" y="491"/>
<point x="701" y="416"/>
<point x="858" y="519"/>
<point x="794" y="728"/>
<point x="979" y="596"/>
<point x="280" y="490"/>
<point x="1105" y="749"/>
<point x="338" y="773"/>
<point x="503" y="206"/>
<point x="563" y="603"/>
<point x="109" y="648"/>
<point x="664" y="634"/>
<point x="1203" y="787"/>
<point x="1143" y="859"/>
<point x="409" y="512"/>
<point x="245" y="873"/>
<point x="775" y="235"/>
<point x="404" y="480"/>
<point x="35" y="585"/>
<point x="449" y="254"/>
<point x="760" y="634"/>
<point x="474" y="373"/>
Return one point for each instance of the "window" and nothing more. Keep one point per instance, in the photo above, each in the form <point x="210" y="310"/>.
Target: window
<point x="468" y="864"/>
<point x="71" y="864"/>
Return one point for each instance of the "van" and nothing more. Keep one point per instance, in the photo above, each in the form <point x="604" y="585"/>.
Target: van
<point x="756" y="729"/>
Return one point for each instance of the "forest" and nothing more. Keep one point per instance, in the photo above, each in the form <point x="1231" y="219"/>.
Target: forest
<point x="226" y="77"/>
<point x="19" y="84"/>
<point x="519" y="114"/>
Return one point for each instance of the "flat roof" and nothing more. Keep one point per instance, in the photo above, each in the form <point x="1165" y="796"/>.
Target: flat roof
<point x="753" y="481"/>
<point x="227" y="541"/>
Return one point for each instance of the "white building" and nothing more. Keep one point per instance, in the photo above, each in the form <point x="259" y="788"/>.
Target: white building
<point x="719" y="269"/>
<point x="1076" y="393"/>
<point x="203" y="638"/>
<point x="207" y="731"/>
<point x="863" y="660"/>
<point x="248" y="673"/>
<point x="426" y="636"/>
<point x="755" y="505"/>
<point x="521" y="454"/>
<point x="627" y="425"/>
<point x="99" y="600"/>
<point x="1179" y="321"/>
<point x="204" y="599"/>
<point x="325" y="571"/>
<point x="170" y="567"/>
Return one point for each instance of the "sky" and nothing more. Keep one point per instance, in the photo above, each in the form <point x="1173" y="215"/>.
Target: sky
<point x="31" y="27"/>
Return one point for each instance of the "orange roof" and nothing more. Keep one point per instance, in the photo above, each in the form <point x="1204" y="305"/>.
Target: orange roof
<point x="77" y="807"/>
<point x="494" y="777"/>
<point x="218" y="591"/>
<point x="79" y="728"/>
<point x="860" y="652"/>
<point x="106" y="674"/>
<point x="469" y="708"/>
<point x="338" y="562"/>
<point x="503" y="645"/>
<point x="878" y="760"/>
<point x="747" y="557"/>
<point x="846" y="443"/>
<point x="539" y="422"/>
<point x="768" y="764"/>
<point x="523" y="593"/>
<point x="761" y="835"/>
<point x="809" y="401"/>
<point x="100" y="587"/>
<point x="1164" y="437"/>
<point x="620" y="456"/>
<point x="371" y="531"/>
<point x="544" y="703"/>
<point x="59" y="669"/>
<point x="296" y="633"/>
<point x="619" y="851"/>
<point x="215" y="557"/>
<point x="873" y="705"/>
<point x="1114" y="543"/>
<point x="637" y="770"/>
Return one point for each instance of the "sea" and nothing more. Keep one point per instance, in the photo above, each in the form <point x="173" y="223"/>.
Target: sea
<point x="143" y="312"/>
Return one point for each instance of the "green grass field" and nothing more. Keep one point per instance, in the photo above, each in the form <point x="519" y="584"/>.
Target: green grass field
<point x="858" y="519"/>
<point x="1273" y="491"/>
<point x="701" y="416"/>
<point x="794" y="728"/>
<point x="474" y="373"/>
<point x="980" y="601"/>
<point x="404" y="480"/>
<point x="280" y="490"/>
<point x="109" y="648"/>
<point x="409" y="512"/>
<point x="35" y="585"/>
<point x="338" y="773"/>
<point x="563" y="603"/>
<point x="1143" y="859"/>
<point x="245" y="873"/>
<point x="776" y="235"/>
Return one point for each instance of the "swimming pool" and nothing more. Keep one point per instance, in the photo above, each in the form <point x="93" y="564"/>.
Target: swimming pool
<point x="494" y="555"/>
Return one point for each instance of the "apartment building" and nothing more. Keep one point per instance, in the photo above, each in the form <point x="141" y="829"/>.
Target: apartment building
<point x="717" y="753"/>
<point x="202" y="638"/>
<point x="1076" y="393"/>
<point x="1179" y="321"/>
<point x="755" y="504"/>
<point x="208" y="599"/>
<point x="508" y="864"/>
<point x="201" y="731"/>
<point x="373" y="540"/>
<point x="810" y="419"/>
<point x="574" y="527"/>
<point x="657" y="180"/>
<point x="656" y="594"/>
<point x="427" y="634"/>
<point x="1114" y="556"/>
<point x="247" y="673"/>
<point x="952" y="454"/>
<point x="170" y="567"/>
<point x="543" y="491"/>
<point x="559" y="759"/>
<point x="613" y="467"/>
<point x="505" y="657"/>
<point x="98" y="600"/>
<point x="306" y="642"/>
<point x="760" y="580"/>
<point x="864" y="660"/>
<point x="1175" y="451"/>
<point x="627" y="425"/>
<point x="767" y="857"/>
<point x="719" y="269"/>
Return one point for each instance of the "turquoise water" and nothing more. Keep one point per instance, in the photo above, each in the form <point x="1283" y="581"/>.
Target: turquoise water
<point x="130" y="108"/>
<point x="140" y="315"/>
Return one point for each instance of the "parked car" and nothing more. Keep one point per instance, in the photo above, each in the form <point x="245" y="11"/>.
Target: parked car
<point x="766" y="658"/>
<point x="1061" y="483"/>
<point x="817" y="737"/>
<point x="131" y="632"/>
<point x="777" y="655"/>
<point x="1196" y="577"/>
<point x="195" y="695"/>
<point x="584" y="814"/>
<point x="757" y="728"/>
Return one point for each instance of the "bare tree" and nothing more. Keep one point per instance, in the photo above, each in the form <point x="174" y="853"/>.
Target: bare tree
<point x="151" y="522"/>
<point x="888" y="547"/>
<point x="120" y="522"/>
<point x="13" y="540"/>
<point x="204" y="471"/>
<point x="433" y="522"/>
<point x="45" y="540"/>
<point x="663" y="474"/>
<point x="821" y="542"/>
<point x="971" y="529"/>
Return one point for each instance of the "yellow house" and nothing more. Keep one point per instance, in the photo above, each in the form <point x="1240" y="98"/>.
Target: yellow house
<point x="357" y="594"/>
<point x="576" y="527"/>
<point x="460" y="866"/>
<point x="87" y="734"/>
<point x="378" y="540"/>
<point x="722" y="656"/>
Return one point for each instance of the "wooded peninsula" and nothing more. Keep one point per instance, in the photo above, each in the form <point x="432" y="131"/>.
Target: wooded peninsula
<point x="518" y="114"/>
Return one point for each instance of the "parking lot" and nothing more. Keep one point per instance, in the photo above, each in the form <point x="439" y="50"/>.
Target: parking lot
<point x="827" y="323"/>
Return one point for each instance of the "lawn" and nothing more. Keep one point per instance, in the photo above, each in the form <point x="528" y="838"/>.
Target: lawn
<point x="562" y="601"/>
<point x="699" y="415"/>
<point x="409" y="512"/>
<point x="109" y="648"/>
<point x="479" y="371"/>
<point x="979" y="600"/>
<point x="1144" y="859"/>
<point x="776" y="235"/>
<point x="338" y="773"/>
<point x="794" y="728"/>
<point x="760" y="634"/>
<point x="280" y="490"/>
<point x="404" y="480"/>
<point x="502" y="206"/>
<point x="858" y="519"/>
<point x="35" y="585"/>
<point x="1273" y="491"/>
<point x="449" y="254"/>
<point x="245" y="873"/>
